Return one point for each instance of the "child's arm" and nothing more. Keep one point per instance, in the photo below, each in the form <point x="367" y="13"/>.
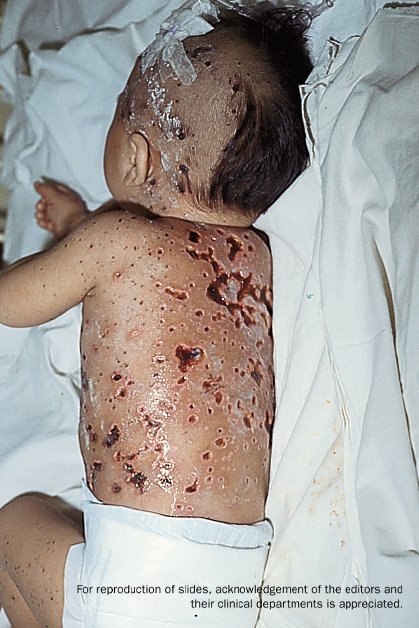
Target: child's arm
<point x="43" y="286"/>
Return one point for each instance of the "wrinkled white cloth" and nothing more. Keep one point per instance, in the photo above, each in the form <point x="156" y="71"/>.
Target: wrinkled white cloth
<point x="167" y="562"/>
<point x="64" y="102"/>
<point x="343" y="496"/>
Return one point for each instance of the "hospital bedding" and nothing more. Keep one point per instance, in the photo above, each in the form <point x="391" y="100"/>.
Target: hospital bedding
<point x="344" y="496"/>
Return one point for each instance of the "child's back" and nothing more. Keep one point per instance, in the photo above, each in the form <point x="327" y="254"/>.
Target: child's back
<point x="177" y="376"/>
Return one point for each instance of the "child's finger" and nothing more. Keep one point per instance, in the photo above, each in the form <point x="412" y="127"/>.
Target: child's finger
<point x="44" y="222"/>
<point x="55" y="189"/>
<point x="41" y="186"/>
<point x="49" y="191"/>
<point x="40" y="212"/>
<point x="41" y="205"/>
<point x="44" y="190"/>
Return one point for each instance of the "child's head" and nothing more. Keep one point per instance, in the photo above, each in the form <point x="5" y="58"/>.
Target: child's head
<point x="223" y="147"/>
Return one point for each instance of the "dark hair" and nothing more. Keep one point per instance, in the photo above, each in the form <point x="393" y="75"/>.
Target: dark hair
<point x="268" y="149"/>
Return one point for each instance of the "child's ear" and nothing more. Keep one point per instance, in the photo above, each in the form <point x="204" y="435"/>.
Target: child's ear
<point x="139" y="166"/>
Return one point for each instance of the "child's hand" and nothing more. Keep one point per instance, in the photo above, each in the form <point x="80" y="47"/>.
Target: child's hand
<point x="59" y="209"/>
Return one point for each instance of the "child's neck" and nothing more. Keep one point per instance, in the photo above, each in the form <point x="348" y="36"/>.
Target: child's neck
<point x="186" y="210"/>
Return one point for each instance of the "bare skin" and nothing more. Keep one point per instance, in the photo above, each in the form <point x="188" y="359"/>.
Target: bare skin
<point x="177" y="387"/>
<point x="176" y="352"/>
<point x="177" y="390"/>
<point x="34" y="542"/>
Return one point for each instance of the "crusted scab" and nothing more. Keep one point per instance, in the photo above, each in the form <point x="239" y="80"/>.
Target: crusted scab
<point x="181" y="295"/>
<point x="165" y="482"/>
<point x="236" y="246"/>
<point x="151" y="424"/>
<point x="221" y="442"/>
<point x="201" y="50"/>
<point x="188" y="356"/>
<point x="206" y="256"/>
<point x="194" y="236"/>
<point x="248" y="420"/>
<point x="184" y="182"/>
<point x="181" y="133"/>
<point x="206" y="456"/>
<point x="84" y="380"/>
<point x="116" y="488"/>
<point x="192" y="488"/>
<point x="95" y="468"/>
<point x="112" y="437"/>
<point x="92" y="434"/>
<point x="137" y="478"/>
<point x="233" y="290"/>
<point x="256" y="372"/>
<point x="122" y="391"/>
<point x="119" y="456"/>
<point x="212" y="383"/>
<point x="219" y="397"/>
<point x="165" y="475"/>
<point x="229" y="290"/>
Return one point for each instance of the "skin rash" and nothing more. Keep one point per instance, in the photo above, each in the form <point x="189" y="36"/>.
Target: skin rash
<point x="177" y="386"/>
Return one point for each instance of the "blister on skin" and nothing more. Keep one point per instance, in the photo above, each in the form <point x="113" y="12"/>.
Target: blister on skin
<point x="177" y="387"/>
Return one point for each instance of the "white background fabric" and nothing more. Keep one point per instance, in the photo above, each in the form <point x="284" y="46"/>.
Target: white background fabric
<point x="344" y="237"/>
<point x="344" y="491"/>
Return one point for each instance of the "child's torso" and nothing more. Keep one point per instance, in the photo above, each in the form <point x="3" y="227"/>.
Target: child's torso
<point x="177" y="385"/>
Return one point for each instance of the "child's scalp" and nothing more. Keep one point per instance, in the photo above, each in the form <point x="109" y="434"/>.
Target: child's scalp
<point x="233" y="138"/>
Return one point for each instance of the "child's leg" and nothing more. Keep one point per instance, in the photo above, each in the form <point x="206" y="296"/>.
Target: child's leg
<point x="34" y="542"/>
<point x="19" y="615"/>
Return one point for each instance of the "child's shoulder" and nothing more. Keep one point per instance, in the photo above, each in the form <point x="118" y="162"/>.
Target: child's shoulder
<point x="115" y="229"/>
<point x="116" y="226"/>
<point x="116" y="220"/>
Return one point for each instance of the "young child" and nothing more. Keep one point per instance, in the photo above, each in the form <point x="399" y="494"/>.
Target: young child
<point x="176" y="353"/>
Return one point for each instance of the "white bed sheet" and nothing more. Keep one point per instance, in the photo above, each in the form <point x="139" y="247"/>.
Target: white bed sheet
<point x="344" y="492"/>
<point x="343" y="496"/>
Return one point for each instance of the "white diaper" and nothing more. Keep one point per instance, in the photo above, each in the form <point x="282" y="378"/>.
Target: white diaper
<point x="142" y="570"/>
